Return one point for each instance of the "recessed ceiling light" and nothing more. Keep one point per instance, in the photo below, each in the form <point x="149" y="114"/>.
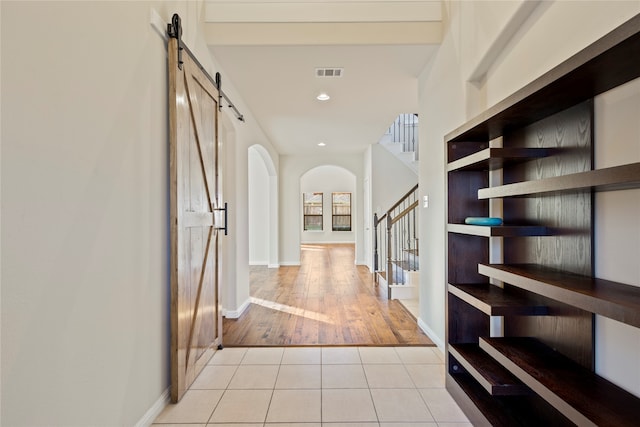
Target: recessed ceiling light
<point x="323" y="97"/>
<point x="321" y="144"/>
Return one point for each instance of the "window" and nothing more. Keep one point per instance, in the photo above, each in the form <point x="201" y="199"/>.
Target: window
<point x="341" y="211"/>
<point x="312" y="211"/>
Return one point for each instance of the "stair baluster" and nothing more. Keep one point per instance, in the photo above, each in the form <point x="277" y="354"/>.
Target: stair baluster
<point x="395" y="245"/>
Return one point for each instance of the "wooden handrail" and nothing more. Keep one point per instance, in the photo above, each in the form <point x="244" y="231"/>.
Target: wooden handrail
<point x="403" y="198"/>
<point x="405" y="212"/>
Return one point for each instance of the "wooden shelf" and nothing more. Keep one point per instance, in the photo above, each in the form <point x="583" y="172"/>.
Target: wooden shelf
<point x="500" y="231"/>
<point x="491" y="375"/>
<point x="606" y="179"/>
<point x="609" y="62"/>
<point x="610" y="299"/>
<point x="501" y="411"/>
<point x="582" y="396"/>
<point x="497" y="158"/>
<point x="495" y="301"/>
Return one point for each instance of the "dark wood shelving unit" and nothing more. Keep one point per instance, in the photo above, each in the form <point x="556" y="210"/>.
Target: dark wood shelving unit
<point x="584" y="397"/>
<point x="491" y="375"/>
<point x="500" y="231"/>
<point x="546" y="261"/>
<point x="607" y="179"/>
<point x="497" y="158"/>
<point x="495" y="301"/>
<point x="614" y="300"/>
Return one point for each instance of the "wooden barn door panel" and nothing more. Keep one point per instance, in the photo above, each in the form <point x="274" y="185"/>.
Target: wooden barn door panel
<point x="196" y="326"/>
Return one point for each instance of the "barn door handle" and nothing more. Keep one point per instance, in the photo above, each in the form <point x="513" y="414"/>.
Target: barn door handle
<point x="226" y="213"/>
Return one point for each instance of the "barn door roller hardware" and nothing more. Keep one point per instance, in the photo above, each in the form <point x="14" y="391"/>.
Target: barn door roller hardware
<point x="239" y="115"/>
<point x="174" y="30"/>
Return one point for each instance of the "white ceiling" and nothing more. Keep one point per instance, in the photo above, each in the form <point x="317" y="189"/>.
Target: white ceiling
<point x="272" y="66"/>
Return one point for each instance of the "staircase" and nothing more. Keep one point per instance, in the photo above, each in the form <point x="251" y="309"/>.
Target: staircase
<point x="401" y="139"/>
<point x="396" y="258"/>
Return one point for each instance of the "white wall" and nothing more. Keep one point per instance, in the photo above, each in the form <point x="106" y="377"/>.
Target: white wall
<point x="549" y="34"/>
<point x="326" y="180"/>
<point x="258" y="210"/>
<point x="85" y="232"/>
<point x="391" y="179"/>
<point x="292" y="167"/>
<point x="617" y="230"/>
<point x="554" y="32"/>
<point x="442" y="106"/>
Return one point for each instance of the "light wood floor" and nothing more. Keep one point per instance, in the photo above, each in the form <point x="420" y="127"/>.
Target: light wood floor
<point x="327" y="300"/>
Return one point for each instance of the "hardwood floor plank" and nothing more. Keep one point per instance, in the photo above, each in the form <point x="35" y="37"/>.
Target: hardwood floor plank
<point x="327" y="300"/>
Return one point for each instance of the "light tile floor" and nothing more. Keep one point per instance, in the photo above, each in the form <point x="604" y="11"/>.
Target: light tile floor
<point x="318" y="387"/>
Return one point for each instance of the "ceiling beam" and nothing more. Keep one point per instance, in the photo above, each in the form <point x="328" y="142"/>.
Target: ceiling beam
<point x="225" y="11"/>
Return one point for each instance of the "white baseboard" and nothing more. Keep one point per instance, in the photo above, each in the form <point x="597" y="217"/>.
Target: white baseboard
<point x="403" y="292"/>
<point x="432" y="335"/>
<point x="291" y="263"/>
<point x="324" y="242"/>
<point x="234" y="314"/>
<point x="263" y="264"/>
<point x="153" y="412"/>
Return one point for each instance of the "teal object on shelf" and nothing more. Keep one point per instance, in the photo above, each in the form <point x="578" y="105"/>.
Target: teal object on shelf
<point x="479" y="220"/>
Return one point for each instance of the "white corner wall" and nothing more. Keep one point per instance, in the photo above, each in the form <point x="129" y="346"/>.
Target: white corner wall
<point x="85" y="227"/>
<point x="390" y="178"/>
<point x="442" y="106"/>
<point x="552" y="32"/>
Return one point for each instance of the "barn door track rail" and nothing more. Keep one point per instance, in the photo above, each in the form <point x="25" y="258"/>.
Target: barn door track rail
<point x="174" y="30"/>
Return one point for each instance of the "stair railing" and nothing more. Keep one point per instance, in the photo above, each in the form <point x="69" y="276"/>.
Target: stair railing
<point x="396" y="244"/>
<point x="405" y="130"/>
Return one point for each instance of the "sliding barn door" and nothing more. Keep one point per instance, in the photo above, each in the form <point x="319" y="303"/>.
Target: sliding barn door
<point x="196" y="326"/>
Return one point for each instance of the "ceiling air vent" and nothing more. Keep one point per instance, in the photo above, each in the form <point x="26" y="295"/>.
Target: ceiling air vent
<point x="329" y="72"/>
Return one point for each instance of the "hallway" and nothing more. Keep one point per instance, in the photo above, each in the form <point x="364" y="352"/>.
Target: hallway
<point x="327" y="300"/>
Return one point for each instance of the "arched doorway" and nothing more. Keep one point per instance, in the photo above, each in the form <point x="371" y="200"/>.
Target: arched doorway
<point x="326" y="182"/>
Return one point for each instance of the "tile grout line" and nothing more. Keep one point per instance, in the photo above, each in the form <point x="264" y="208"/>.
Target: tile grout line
<point x="369" y="387"/>
<point x="321" y="385"/>
<point x="226" y="387"/>
<point x="273" y="391"/>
